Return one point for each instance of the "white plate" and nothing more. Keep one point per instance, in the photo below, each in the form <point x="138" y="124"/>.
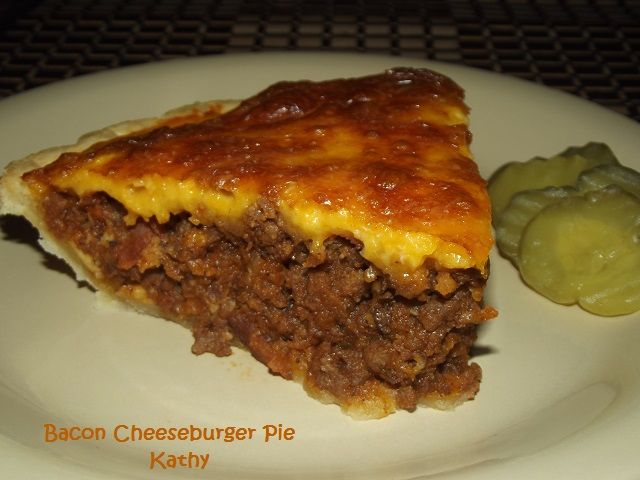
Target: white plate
<point x="561" y="390"/>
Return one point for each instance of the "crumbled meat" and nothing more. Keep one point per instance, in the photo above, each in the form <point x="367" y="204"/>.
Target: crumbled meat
<point x="338" y="319"/>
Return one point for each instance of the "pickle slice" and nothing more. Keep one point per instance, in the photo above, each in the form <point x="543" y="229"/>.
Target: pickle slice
<point x="594" y="151"/>
<point x="604" y="175"/>
<point x="586" y="250"/>
<point x="521" y="209"/>
<point x="539" y="172"/>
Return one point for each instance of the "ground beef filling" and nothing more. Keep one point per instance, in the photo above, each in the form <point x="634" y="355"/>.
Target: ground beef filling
<point x="336" y="322"/>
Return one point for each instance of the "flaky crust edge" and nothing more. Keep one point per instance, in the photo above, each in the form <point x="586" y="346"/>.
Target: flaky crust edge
<point x="16" y="198"/>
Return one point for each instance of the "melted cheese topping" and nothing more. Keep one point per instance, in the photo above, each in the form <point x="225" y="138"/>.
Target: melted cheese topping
<point x="383" y="159"/>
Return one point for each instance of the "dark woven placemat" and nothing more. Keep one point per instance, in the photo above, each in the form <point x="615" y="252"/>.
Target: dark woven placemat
<point x="588" y="48"/>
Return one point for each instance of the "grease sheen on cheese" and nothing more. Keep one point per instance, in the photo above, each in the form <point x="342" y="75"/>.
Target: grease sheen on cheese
<point x="383" y="159"/>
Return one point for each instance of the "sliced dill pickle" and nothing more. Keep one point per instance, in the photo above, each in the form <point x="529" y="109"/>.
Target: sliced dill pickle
<point x="599" y="177"/>
<point x="586" y="249"/>
<point x="521" y="209"/>
<point x="594" y="151"/>
<point x="539" y="172"/>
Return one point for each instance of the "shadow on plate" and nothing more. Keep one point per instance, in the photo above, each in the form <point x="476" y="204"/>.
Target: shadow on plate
<point x="481" y="350"/>
<point x="19" y="230"/>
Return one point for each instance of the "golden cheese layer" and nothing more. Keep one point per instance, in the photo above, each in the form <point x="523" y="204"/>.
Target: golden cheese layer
<point x="384" y="159"/>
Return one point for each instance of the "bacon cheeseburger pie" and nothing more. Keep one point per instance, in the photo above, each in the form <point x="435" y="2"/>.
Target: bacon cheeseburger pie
<point x="338" y="230"/>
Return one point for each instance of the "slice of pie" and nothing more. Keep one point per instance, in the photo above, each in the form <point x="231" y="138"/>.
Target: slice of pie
<point x="338" y="230"/>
